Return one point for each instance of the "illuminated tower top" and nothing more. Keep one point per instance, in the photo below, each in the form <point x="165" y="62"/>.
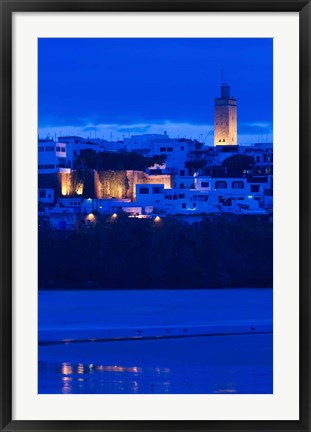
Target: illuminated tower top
<point x="225" y="91"/>
<point x="225" y="124"/>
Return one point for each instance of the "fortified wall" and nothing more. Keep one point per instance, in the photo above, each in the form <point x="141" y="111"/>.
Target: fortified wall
<point x="105" y="184"/>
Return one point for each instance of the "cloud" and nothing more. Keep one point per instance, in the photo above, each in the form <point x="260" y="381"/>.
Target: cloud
<point x="263" y="125"/>
<point x="118" y="131"/>
<point x="204" y="132"/>
<point x="137" y="129"/>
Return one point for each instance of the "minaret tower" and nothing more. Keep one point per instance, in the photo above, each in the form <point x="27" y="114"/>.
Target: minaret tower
<point x="225" y="124"/>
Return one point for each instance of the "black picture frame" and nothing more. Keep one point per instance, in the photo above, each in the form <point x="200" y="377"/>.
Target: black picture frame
<point x="7" y="9"/>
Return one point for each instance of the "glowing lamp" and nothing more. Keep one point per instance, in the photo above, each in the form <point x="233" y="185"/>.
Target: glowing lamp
<point x="90" y="217"/>
<point x="114" y="216"/>
<point x="157" y="219"/>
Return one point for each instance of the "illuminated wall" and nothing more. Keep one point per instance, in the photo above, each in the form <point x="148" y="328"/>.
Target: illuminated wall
<point x="71" y="184"/>
<point x="139" y="177"/>
<point x="110" y="184"/>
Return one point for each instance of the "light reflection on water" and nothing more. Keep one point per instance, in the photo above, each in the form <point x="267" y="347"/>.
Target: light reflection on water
<point x="90" y="378"/>
<point x="231" y="363"/>
<point x="79" y="378"/>
<point x="225" y="365"/>
<point x="69" y="378"/>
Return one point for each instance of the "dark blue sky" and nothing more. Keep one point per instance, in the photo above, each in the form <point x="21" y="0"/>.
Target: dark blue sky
<point x="128" y="86"/>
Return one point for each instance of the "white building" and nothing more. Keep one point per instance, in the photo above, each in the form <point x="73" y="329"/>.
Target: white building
<point x="51" y="157"/>
<point x="62" y="218"/>
<point x="175" y="150"/>
<point x="46" y="195"/>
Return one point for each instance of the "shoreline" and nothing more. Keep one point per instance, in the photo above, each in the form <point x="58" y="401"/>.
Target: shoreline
<point x="100" y="288"/>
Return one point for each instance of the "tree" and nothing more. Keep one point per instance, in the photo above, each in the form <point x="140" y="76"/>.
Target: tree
<point x="239" y="162"/>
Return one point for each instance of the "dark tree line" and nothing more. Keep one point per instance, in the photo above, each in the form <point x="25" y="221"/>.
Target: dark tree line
<point x="118" y="161"/>
<point x="219" y="252"/>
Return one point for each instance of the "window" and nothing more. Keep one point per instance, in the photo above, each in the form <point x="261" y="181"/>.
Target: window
<point x="144" y="191"/>
<point x="183" y="205"/>
<point x="42" y="194"/>
<point x="220" y="184"/>
<point x="182" y="148"/>
<point x="268" y="158"/>
<point x="63" y="149"/>
<point x="204" y="184"/>
<point x="156" y="190"/>
<point x="255" y="188"/>
<point x="175" y="197"/>
<point x="168" y="197"/>
<point x="257" y="158"/>
<point x="169" y="149"/>
<point x="58" y="149"/>
<point x="181" y="196"/>
<point x="162" y="149"/>
<point x="75" y="152"/>
<point x="237" y="185"/>
<point x="194" y="205"/>
<point x="182" y="172"/>
<point x="40" y="149"/>
<point x="182" y="186"/>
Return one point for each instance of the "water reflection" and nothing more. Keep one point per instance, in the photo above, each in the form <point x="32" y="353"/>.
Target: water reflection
<point x="66" y="385"/>
<point x="118" y="369"/>
<point x="80" y="368"/>
<point x="102" y="378"/>
<point x="67" y="369"/>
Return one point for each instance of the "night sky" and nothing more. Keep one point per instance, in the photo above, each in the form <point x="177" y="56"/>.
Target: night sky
<point x="113" y="88"/>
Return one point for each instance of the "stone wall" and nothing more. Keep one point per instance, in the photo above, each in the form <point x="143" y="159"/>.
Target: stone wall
<point x="139" y="177"/>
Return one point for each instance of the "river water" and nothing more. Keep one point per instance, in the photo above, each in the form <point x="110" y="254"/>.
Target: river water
<point x="174" y="341"/>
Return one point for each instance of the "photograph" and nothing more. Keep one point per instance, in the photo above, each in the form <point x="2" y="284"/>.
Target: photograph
<point x="155" y="215"/>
